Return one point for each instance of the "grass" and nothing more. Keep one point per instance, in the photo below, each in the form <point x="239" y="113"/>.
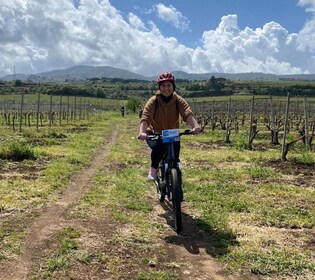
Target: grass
<point x="155" y="276"/>
<point x="29" y="185"/>
<point x="65" y="256"/>
<point x="306" y="157"/>
<point x="127" y="200"/>
<point x="245" y="191"/>
<point x="256" y="212"/>
<point x="17" y="150"/>
<point x="221" y="183"/>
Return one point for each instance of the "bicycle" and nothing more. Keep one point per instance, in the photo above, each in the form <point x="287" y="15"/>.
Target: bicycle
<point x="169" y="177"/>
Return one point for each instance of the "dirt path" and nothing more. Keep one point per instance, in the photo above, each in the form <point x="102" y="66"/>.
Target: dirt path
<point x="39" y="233"/>
<point x="189" y="249"/>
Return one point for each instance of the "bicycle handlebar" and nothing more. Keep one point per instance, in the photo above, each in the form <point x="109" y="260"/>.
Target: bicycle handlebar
<point x="156" y="136"/>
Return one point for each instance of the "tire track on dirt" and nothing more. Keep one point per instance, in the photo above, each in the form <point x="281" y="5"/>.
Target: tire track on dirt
<point x="189" y="248"/>
<point x="53" y="218"/>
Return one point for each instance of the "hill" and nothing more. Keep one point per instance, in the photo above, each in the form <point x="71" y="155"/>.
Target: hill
<point x="251" y="76"/>
<point x="82" y="72"/>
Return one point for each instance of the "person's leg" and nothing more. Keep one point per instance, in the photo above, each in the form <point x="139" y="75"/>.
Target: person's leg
<point x="156" y="155"/>
<point x="177" y="150"/>
<point x="157" y="152"/>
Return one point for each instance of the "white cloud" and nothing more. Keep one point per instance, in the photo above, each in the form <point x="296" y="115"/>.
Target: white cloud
<point x="310" y="4"/>
<point x="171" y="15"/>
<point x="136" y="22"/>
<point x="40" y="35"/>
<point x="306" y="38"/>
<point x="268" y="49"/>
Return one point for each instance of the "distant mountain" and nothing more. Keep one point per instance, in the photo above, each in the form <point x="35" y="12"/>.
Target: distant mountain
<point x="251" y="76"/>
<point x="82" y="72"/>
<point x="12" y="77"/>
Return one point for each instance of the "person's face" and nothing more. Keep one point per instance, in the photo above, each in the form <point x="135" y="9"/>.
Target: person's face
<point x="166" y="88"/>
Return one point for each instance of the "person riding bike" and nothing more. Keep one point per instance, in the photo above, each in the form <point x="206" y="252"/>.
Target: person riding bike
<point x="162" y="112"/>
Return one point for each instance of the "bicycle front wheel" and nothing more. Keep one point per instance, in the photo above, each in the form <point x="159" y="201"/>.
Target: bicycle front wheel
<point x="176" y="200"/>
<point x="160" y="185"/>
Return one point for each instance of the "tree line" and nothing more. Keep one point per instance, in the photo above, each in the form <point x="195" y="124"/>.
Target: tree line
<point x="124" y="89"/>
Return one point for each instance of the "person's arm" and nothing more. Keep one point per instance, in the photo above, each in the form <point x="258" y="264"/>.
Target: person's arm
<point x="143" y="130"/>
<point x="194" y="124"/>
<point x="146" y="118"/>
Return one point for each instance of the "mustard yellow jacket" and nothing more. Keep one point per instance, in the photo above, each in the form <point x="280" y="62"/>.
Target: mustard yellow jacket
<point x="165" y="115"/>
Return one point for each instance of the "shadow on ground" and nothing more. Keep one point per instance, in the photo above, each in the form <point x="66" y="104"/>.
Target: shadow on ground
<point x="197" y="234"/>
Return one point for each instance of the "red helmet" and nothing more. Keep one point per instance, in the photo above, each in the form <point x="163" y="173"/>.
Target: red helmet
<point x="166" y="76"/>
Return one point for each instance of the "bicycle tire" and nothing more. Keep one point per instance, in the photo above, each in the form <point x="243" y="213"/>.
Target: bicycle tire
<point x="160" y="186"/>
<point x="176" y="200"/>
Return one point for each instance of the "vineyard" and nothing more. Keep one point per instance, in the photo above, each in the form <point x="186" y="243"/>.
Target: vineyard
<point x="267" y="121"/>
<point x="75" y="203"/>
<point x="28" y="111"/>
<point x="251" y="123"/>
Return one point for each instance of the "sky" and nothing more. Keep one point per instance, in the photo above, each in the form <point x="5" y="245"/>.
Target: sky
<point x="148" y="36"/>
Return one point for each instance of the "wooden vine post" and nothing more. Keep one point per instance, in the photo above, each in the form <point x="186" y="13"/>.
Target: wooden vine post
<point x="68" y="108"/>
<point x="284" y="144"/>
<point x="251" y="118"/>
<point x="60" y="109"/>
<point x="75" y="108"/>
<point x="272" y="119"/>
<point x="80" y="108"/>
<point x="50" y="111"/>
<point x="37" y="110"/>
<point x="21" y="112"/>
<point x="307" y="139"/>
<point x="228" y="129"/>
<point x="212" y="116"/>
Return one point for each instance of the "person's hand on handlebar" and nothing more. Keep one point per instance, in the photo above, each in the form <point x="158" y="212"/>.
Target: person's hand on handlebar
<point x="142" y="136"/>
<point x="142" y="131"/>
<point x="197" y="130"/>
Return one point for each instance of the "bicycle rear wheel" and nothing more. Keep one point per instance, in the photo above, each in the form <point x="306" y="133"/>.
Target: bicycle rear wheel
<point x="176" y="200"/>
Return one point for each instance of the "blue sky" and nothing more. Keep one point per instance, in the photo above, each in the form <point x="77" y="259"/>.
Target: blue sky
<point x="147" y="37"/>
<point x="206" y="14"/>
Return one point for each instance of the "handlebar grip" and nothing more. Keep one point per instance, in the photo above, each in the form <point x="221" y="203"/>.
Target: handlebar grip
<point x="153" y="137"/>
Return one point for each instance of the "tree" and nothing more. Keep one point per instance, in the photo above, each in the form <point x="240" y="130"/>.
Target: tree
<point x="133" y="104"/>
<point x="100" y="92"/>
<point x="18" y="83"/>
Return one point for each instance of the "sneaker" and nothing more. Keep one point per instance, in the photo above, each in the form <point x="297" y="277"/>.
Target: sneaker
<point x="152" y="174"/>
<point x="150" y="177"/>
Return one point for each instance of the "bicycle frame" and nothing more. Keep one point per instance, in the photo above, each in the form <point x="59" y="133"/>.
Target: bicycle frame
<point x="168" y="180"/>
<point x="168" y="162"/>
